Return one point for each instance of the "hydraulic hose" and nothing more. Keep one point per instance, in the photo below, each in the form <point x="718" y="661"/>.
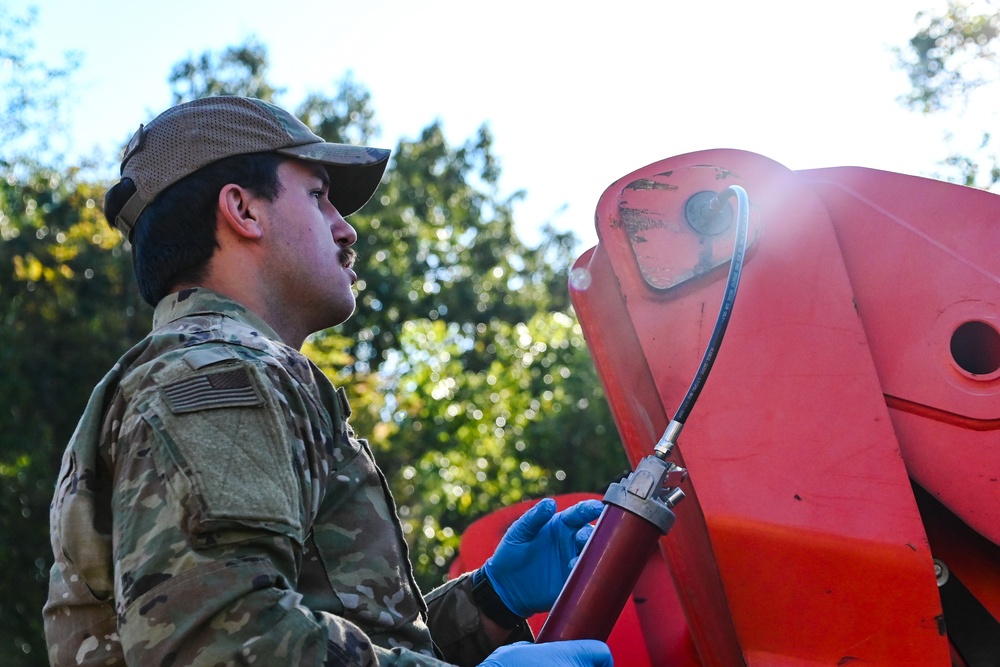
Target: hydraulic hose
<point x="711" y="210"/>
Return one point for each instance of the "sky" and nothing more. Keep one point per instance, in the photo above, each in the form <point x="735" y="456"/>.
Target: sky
<point x="576" y="94"/>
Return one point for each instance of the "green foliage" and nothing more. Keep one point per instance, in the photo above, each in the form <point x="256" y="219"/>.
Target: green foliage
<point x="952" y="55"/>
<point x="30" y="106"/>
<point x="441" y="246"/>
<point x="238" y="70"/>
<point x="68" y="309"/>
<point x="347" y="118"/>
<point x="460" y="442"/>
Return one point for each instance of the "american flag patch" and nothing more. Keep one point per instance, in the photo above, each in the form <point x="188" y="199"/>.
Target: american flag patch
<point x="221" y="389"/>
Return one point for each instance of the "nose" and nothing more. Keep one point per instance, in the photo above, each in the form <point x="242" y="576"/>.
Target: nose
<point x="343" y="233"/>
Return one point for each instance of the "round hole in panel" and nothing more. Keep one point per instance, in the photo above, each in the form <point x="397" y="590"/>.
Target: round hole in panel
<point x="975" y="348"/>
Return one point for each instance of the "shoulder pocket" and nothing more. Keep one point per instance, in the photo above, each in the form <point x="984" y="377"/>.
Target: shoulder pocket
<point x="227" y="440"/>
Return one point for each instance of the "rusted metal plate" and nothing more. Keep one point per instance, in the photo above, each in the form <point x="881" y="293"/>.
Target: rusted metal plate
<point x="653" y="213"/>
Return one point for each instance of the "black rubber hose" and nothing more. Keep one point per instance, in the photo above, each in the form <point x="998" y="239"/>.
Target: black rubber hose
<point x="729" y="298"/>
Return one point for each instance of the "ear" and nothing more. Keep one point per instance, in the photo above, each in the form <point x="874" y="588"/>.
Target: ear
<point x="236" y="211"/>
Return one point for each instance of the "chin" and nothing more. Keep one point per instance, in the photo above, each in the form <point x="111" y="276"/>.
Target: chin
<point x="340" y="315"/>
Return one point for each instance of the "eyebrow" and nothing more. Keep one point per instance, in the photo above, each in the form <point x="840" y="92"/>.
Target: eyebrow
<point x="322" y="174"/>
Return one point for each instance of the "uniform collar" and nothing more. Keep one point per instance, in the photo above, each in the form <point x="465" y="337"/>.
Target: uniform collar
<point x="202" y="301"/>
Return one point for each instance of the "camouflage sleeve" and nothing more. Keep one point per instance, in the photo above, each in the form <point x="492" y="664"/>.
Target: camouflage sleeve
<point x="211" y="507"/>
<point x="455" y="624"/>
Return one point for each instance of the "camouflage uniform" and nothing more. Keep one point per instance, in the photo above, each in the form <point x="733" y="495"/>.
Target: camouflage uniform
<point x="215" y="508"/>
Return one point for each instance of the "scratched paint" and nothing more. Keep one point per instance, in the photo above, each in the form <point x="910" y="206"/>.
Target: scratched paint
<point x="651" y="213"/>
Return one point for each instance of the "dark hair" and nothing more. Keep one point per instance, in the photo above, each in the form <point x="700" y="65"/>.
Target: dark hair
<point x="174" y="237"/>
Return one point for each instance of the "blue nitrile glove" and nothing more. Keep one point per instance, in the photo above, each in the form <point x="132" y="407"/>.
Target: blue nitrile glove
<point x="576" y="653"/>
<point x="535" y="556"/>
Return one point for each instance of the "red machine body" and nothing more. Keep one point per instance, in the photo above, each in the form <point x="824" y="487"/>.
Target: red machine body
<point x="849" y="432"/>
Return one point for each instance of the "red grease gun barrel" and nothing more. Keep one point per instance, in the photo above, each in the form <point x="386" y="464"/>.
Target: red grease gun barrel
<point x="637" y="511"/>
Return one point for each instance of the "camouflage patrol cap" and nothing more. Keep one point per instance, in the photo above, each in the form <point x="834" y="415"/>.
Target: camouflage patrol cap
<point x="189" y="136"/>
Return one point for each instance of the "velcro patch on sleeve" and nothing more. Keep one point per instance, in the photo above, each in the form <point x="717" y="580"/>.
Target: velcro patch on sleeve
<point x="223" y="388"/>
<point x="205" y="355"/>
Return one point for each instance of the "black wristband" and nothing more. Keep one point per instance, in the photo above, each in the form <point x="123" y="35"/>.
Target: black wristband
<point x="486" y="598"/>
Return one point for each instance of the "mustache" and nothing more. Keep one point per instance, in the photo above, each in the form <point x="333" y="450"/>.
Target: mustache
<point x="347" y="257"/>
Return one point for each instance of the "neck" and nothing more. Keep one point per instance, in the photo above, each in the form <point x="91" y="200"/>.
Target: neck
<point x="254" y="299"/>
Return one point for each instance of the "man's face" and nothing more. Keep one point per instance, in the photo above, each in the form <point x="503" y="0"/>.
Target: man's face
<point x="308" y="245"/>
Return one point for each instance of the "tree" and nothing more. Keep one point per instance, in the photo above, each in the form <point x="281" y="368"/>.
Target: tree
<point x="30" y="108"/>
<point x="238" y="70"/>
<point x="69" y="307"/>
<point x="950" y="59"/>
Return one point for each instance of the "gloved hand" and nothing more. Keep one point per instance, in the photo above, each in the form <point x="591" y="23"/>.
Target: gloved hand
<point x="535" y="556"/>
<point x="577" y="653"/>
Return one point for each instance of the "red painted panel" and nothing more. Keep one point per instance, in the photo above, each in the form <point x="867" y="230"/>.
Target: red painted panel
<point x="814" y="530"/>
<point x="923" y="258"/>
<point x="864" y="349"/>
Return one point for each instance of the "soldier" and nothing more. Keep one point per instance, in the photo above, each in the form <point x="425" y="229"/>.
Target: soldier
<point x="214" y="506"/>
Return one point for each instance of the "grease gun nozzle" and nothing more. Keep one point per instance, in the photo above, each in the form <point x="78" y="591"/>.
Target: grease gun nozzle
<point x="674" y="497"/>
